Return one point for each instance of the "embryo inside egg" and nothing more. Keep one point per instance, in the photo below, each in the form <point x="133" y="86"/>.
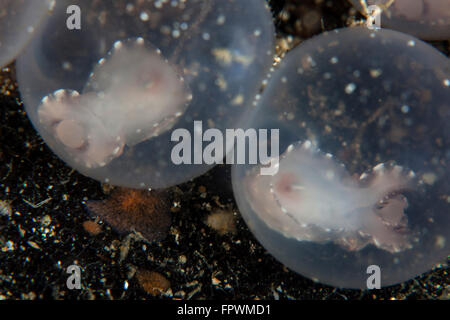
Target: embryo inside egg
<point x="120" y="106"/>
<point x="426" y="19"/>
<point x="107" y="97"/>
<point x="363" y="175"/>
<point x="313" y="198"/>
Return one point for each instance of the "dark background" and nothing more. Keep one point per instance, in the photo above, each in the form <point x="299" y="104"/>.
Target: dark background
<point x="47" y="239"/>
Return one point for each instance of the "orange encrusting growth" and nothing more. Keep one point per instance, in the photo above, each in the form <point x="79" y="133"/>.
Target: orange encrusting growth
<point x="126" y="210"/>
<point x="132" y="200"/>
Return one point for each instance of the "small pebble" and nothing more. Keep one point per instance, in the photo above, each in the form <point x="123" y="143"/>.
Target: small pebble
<point x="153" y="283"/>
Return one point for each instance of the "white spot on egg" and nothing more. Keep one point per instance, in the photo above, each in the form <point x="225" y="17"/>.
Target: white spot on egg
<point x="176" y="33"/>
<point x="350" y="88"/>
<point x="221" y="19"/>
<point x="405" y="109"/>
<point x="375" y="73"/>
<point x="206" y="36"/>
<point x="311" y="61"/>
<point x="144" y="16"/>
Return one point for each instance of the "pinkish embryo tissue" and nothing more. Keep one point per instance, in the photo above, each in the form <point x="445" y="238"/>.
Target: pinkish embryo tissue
<point x="312" y="198"/>
<point x="96" y="124"/>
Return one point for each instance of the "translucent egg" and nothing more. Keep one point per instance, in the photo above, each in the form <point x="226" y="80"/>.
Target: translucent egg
<point x="19" y="19"/>
<point x="426" y="19"/>
<point x="107" y="85"/>
<point x="363" y="173"/>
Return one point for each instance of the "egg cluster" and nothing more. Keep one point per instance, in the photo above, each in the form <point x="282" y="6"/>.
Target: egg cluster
<point x="362" y="115"/>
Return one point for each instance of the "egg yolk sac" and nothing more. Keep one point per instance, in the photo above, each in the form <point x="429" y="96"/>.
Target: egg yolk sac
<point x="19" y="20"/>
<point x="425" y="19"/>
<point x="107" y="96"/>
<point x="362" y="178"/>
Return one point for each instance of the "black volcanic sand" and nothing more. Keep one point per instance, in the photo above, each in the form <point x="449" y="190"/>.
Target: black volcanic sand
<point x="37" y="243"/>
